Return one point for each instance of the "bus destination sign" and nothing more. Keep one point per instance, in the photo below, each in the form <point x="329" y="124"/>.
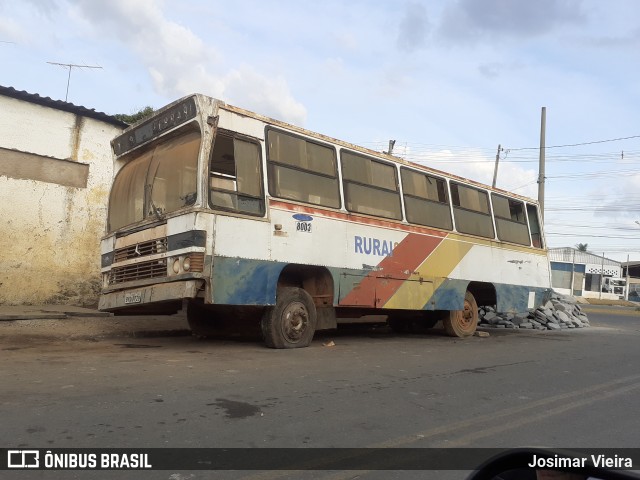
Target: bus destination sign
<point x="172" y="117"/>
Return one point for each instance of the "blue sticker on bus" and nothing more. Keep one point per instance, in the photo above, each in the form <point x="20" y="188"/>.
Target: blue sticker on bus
<point x="301" y="217"/>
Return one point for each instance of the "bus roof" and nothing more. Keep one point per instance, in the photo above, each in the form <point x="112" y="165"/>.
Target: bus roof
<point x="364" y="150"/>
<point x="201" y="99"/>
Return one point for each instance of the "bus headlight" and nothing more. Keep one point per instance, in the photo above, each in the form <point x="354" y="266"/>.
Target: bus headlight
<point x="192" y="262"/>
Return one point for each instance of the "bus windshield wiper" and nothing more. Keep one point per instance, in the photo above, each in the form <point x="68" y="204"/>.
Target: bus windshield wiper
<point x="156" y="211"/>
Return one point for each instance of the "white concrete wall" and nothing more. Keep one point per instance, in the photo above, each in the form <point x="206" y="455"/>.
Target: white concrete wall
<point x="587" y="294"/>
<point x="563" y="291"/>
<point x="603" y="295"/>
<point x="609" y="270"/>
<point x="49" y="233"/>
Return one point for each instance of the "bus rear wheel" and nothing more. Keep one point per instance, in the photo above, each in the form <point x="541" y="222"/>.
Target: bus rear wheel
<point x="291" y="323"/>
<point x="463" y="323"/>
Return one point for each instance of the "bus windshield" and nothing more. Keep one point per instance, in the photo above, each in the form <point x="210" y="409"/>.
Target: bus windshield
<point x="161" y="180"/>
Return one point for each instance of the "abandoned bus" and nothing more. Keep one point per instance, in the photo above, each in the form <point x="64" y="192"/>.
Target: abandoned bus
<point x="221" y="211"/>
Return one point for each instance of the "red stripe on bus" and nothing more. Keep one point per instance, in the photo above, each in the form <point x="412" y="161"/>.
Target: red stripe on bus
<point x="379" y="286"/>
<point x="351" y="217"/>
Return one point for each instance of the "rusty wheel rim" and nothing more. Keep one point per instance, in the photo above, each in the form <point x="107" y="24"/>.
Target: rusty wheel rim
<point x="467" y="317"/>
<point x="295" y="321"/>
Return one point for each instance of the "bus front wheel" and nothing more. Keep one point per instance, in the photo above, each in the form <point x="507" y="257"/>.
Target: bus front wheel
<point x="291" y="323"/>
<point x="463" y="323"/>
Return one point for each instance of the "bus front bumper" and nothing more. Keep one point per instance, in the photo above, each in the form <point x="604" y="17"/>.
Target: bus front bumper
<point x="138" y="296"/>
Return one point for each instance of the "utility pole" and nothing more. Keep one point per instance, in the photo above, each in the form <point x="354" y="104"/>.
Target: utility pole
<point x="573" y="271"/>
<point x="70" y="66"/>
<point x="626" y="287"/>
<point x="495" y="170"/>
<point x="601" y="277"/>
<point x="543" y="127"/>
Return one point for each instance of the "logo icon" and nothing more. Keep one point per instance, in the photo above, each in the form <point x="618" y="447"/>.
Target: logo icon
<point x="23" y="459"/>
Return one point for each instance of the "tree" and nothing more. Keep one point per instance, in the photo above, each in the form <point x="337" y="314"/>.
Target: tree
<point x="582" y="247"/>
<point x="135" y="117"/>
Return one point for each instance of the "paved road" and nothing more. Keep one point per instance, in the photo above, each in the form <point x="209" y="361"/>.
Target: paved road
<point x="576" y="388"/>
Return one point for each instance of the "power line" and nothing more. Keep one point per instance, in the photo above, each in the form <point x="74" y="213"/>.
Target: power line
<point x="511" y="189"/>
<point x="592" y="227"/>
<point x="579" y="144"/>
<point x="589" y="197"/>
<point x="586" y="235"/>
<point x="603" y="202"/>
<point x="581" y="208"/>
<point x="466" y="157"/>
<point x="514" y="149"/>
<point x="602" y="173"/>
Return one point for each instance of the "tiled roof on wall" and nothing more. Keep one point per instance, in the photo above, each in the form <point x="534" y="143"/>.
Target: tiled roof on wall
<point x="60" y="105"/>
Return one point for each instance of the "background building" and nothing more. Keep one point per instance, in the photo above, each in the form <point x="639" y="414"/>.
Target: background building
<point x="581" y="273"/>
<point x="55" y="173"/>
<point x="634" y="279"/>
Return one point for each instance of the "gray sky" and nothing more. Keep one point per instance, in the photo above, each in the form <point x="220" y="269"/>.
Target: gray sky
<point x="449" y="81"/>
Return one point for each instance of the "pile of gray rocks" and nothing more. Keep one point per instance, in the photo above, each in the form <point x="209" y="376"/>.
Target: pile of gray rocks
<point x="561" y="312"/>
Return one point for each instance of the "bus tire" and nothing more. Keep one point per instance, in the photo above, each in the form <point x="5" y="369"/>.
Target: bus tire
<point x="463" y="323"/>
<point x="291" y="323"/>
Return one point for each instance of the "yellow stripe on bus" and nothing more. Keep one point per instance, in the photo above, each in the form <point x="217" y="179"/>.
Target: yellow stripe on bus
<point x="414" y="294"/>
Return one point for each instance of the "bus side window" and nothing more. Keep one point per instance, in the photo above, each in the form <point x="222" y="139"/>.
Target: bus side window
<point x="510" y="219"/>
<point x="471" y="210"/>
<point x="534" y="226"/>
<point x="302" y="170"/>
<point x="235" y="177"/>
<point x="425" y="199"/>
<point x="370" y="186"/>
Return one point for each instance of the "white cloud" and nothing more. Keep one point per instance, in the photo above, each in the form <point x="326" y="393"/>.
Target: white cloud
<point x="475" y="165"/>
<point x="268" y="96"/>
<point x="623" y="201"/>
<point x="11" y="32"/>
<point x="179" y="62"/>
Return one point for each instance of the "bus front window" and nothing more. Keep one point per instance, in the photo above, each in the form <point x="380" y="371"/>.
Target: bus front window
<point x="159" y="181"/>
<point x="235" y="176"/>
